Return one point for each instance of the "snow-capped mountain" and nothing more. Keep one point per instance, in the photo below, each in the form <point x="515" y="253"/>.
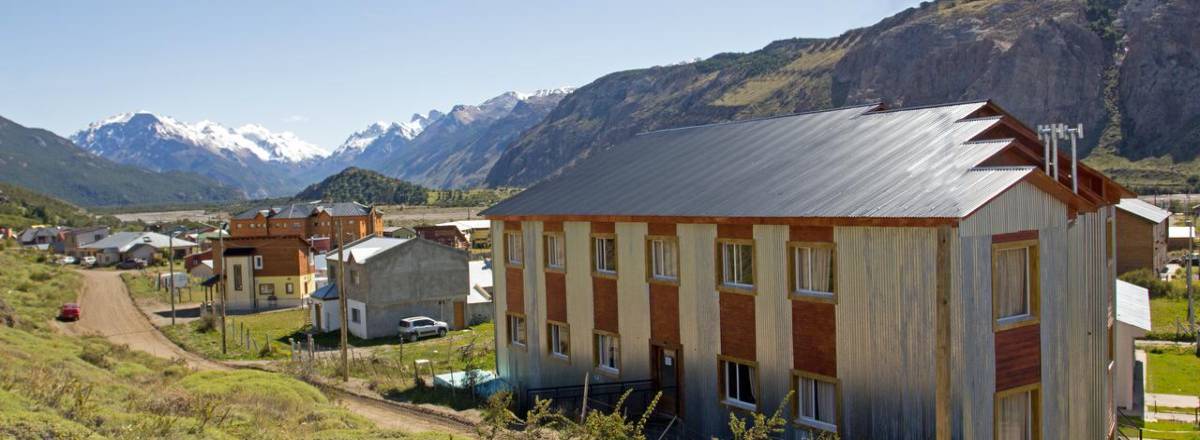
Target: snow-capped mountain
<point x="359" y="141"/>
<point x="251" y="157"/>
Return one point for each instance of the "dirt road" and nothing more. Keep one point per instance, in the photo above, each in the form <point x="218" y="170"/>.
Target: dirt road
<point x="108" y="311"/>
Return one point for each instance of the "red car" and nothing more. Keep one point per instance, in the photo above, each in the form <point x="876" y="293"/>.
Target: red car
<point x="69" y="312"/>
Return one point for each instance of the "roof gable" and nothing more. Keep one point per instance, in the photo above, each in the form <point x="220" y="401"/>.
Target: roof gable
<point x="1144" y="210"/>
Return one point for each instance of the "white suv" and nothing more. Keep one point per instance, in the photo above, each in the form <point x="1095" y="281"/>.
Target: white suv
<point x="417" y="327"/>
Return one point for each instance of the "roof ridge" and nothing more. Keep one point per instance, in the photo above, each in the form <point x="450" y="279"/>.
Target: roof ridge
<point x="929" y="106"/>
<point x="762" y="118"/>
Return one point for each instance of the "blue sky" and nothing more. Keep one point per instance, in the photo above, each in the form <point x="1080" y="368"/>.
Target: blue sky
<point x="326" y="69"/>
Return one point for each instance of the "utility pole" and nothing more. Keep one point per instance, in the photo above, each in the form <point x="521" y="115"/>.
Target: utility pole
<point x="221" y="283"/>
<point x="1191" y="311"/>
<point x="171" y="266"/>
<point x="343" y="289"/>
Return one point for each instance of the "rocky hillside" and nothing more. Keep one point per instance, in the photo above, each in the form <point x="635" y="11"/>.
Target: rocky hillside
<point x="20" y="208"/>
<point x="1127" y="69"/>
<point x="44" y="162"/>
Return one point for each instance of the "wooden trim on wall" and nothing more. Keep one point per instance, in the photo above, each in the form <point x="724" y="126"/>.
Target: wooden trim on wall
<point x="650" y="259"/>
<point x="546" y="251"/>
<point x="1035" y="394"/>
<point x="721" y="360"/>
<point x="616" y="261"/>
<point x="837" y="398"/>
<point x="1034" y="284"/>
<point x="719" y="272"/>
<point x="793" y="290"/>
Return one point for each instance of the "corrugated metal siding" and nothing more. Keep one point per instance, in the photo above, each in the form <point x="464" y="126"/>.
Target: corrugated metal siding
<point x="773" y="316"/>
<point x="535" y="305"/>
<point x="504" y="367"/>
<point x="699" y="319"/>
<point x="1023" y="207"/>
<point x="973" y="341"/>
<point x="1055" y="328"/>
<point x="885" y="340"/>
<point x="579" y="298"/>
<point x="633" y="301"/>
<point x="1091" y="285"/>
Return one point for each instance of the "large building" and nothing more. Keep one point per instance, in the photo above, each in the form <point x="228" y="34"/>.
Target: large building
<point x="911" y="273"/>
<point x="1142" y="243"/>
<point x="309" y="220"/>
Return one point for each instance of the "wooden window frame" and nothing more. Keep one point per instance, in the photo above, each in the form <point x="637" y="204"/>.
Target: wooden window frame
<point x="806" y="423"/>
<point x="595" y="261"/>
<point x="721" y="391"/>
<point x="508" y="249"/>
<point x="1033" y="317"/>
<point x="750" y="289"/>
<point x="258" y="262"/>
<point x="1035" y="408"/>
<point x="237" y="277"/>
<point x="550" y="347"/>
<point x="794" y="291"/>
<point x="650" y="277"/>
<point x="270" y="290"/>
<point x="508" y="326"/>
<point x="607" y="371"/>
<point x="547" y="251"/>
<point x="289" y="288"/>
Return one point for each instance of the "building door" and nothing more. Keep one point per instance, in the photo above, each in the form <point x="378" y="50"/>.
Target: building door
<point x="460" y="318"/>
<point x="666" y="375"/>
<point x="317" y="316"/>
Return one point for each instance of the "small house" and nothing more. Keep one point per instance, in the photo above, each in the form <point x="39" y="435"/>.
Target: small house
<point x="479" y="298"/>
<point x="448" y="235"/>
<point x="388" y="279"/>
<point x="1142" y="243"/>
<point x="1178" y="237"/>
<point x="75" y="238"/>
<point x="43" y="238"/>
<point x="130" y="245"/>
<point x="478" y="232"/>
<point x="1133" y="321"/>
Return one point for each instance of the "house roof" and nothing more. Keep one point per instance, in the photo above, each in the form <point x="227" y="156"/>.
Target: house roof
<point x="841" y="163"/>
<point x="40" y="231"/>
<point x="123" y="241"/>
<point x="1179" y="232"/>
<point x="1133" y="305"/>
<point x="1143" y="209"/>
<point x="326" y="292"/>
<point x="304" y="210"/>
<point x="362" y="250"/>
<point x="465" y="226"/>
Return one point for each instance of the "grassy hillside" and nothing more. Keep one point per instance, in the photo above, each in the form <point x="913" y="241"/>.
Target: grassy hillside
<point x="44" y="162"/>
<point x="58" y="386"/>
<point x="20" y="208"/>
<point x="364" y="186"/>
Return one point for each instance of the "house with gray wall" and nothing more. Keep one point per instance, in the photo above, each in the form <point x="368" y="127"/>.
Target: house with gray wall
<point x="388" y="279"/>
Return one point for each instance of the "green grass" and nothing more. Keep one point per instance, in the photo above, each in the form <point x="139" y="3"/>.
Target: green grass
<point x="58" y="386"/>
<point x="1164" y="312"/>
<point x="1163" y="430"/>
<point x="1173" y="370"/>
<point x="270" y="327"/>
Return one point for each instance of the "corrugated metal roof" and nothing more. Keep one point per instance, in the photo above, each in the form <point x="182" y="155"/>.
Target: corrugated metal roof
<point x="326" y="292"/>
<point x="123" y="241"/>
<point x="1179" y="232"/>
<point x="363" y="250"/>
<point x="1144" y="210"/>
<point x="849" y="162"/>
<point x="1133" y="305"/>
<point x="302" y="210"/>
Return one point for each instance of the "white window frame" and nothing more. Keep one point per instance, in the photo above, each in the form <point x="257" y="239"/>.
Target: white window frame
<point x="513" y="248"/>
<point x="796" y="249"/>
<point x="556" y="332"/>
<point x="600" y="244"/>
<point x="556" y="254"/>
<point x="734" y="268"/>
<point x="516" y="322"/>
<point x="731" y="394"/>
<point x="812" y="420"/>
<point x="660" y="260"/>
<point x="608" y="351"/>
<point x="258" y="262"/>
<point x="355" y="315"/>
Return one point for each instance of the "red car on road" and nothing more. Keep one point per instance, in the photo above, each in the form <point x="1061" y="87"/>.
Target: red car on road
<point x="69" y="312"/>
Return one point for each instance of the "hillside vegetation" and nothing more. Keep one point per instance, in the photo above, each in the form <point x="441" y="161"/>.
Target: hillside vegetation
<point x="42" y="161"/>
<point x="373" y="188"/>
<point x="65" y="387"/>
<point x="20" y="208"/>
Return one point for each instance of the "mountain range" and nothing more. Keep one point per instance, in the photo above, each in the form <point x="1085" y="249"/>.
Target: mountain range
<point x="1126" y="69"/>
<point x="44" y="162"/>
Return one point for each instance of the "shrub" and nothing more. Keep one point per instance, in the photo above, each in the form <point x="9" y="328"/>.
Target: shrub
<point x="1148" y="279"/>
<point x="206" y="324"/>
<point x="96" y="354"/>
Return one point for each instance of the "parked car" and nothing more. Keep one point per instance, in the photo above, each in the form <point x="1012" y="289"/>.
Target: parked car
<point x="417" y="327"/>
<point x="69" y="312"/>
<point x="87" y="261"/>
<point x="66" y="259"/>
<point x="136" y="263"/>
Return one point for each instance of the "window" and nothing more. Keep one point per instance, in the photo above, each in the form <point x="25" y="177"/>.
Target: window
<point x="604" y="254"/>
<point x="560" y="340"/>
<point x="556" y="257"/>
<point x="664" y="265"/>
<point x="513" y="248"/>
<point x="258" y="262"/>
<point x="1014" y="283"/>
<point x="289" y="288"/>
<point x="739" y="382"/>
<point x="812" y="269"/>
<point x="608" y="352"/>
<point x="237" y="277"/>
<point x="1016" y="414"/>
<point x="737" y="264"/>
<point x="355" y="316"/>
<point x="354" y="277"/>
<point x="266" y="289"/>
<point x="816" y="402"/>
<point x="516" y="330"/>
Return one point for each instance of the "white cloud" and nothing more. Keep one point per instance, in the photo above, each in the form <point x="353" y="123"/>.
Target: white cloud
<point x="295" y="119"/>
